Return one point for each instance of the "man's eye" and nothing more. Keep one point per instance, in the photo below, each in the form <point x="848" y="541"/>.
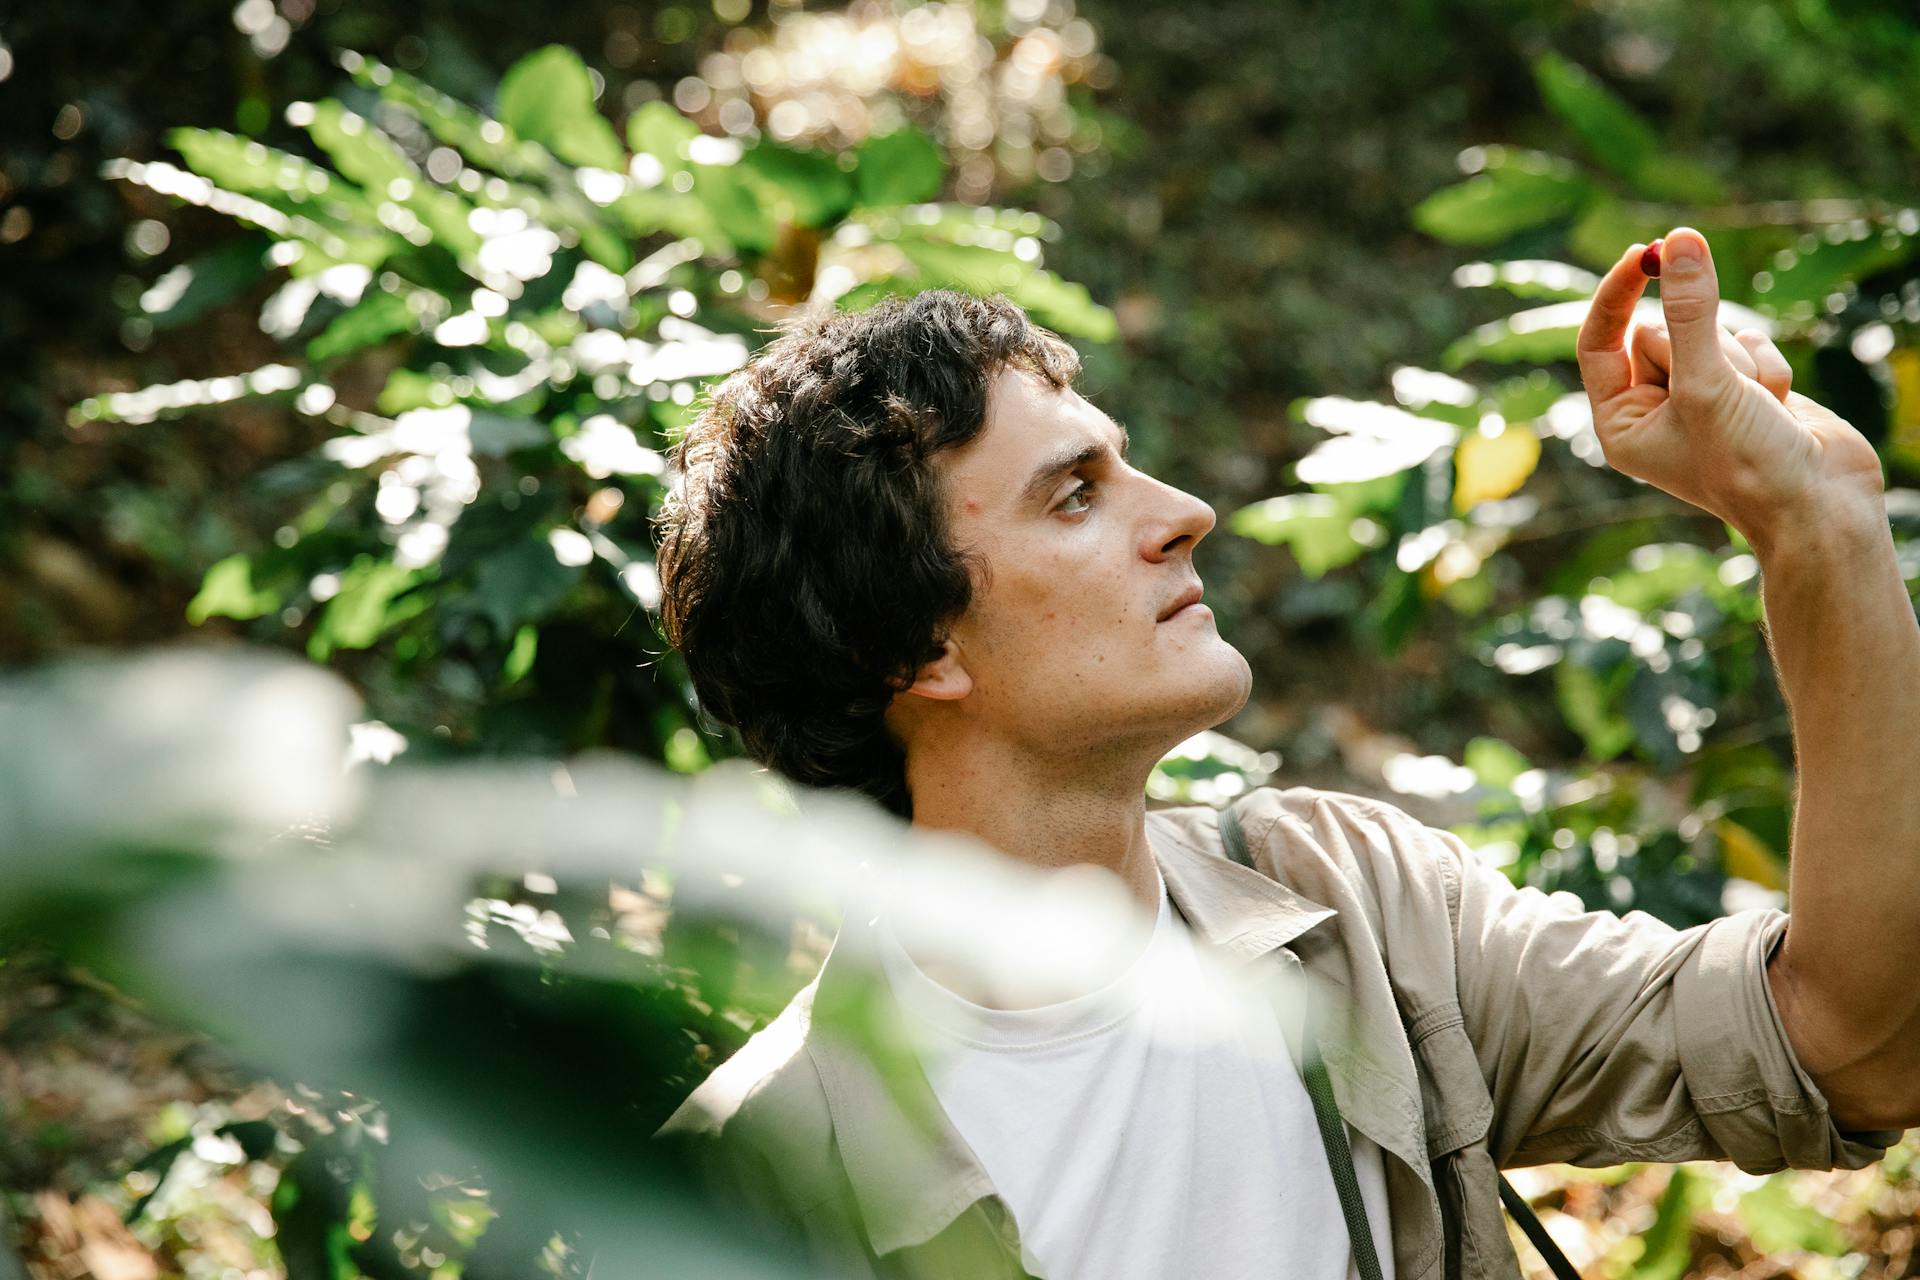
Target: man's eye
<point x="1081" y="494"/>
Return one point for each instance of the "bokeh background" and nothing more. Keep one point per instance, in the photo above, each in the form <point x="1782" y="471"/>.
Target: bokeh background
<point x="358" y="332"/>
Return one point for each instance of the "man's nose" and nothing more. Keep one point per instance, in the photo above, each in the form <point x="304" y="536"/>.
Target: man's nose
<point x="1182" y="520"/>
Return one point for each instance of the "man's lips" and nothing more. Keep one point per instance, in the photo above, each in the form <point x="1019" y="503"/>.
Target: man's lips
<point x="1188" y="597"/>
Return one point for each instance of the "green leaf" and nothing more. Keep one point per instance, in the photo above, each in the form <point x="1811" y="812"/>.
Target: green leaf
<point x="227" y="591"/>
<point x="548" y="96"/>
<point x="1495" y="763"/>
<point x="375" y="318"/>
<point x="1516" y="191"/>
<point x="971" y="268"/>
<point x="1530" y="278"/>
<point x="1064" y="305"/>
<point x="1658" y="573"/>
<point x="1607" y="226"/>
<point x="311" y="1224"/>
<point x="495" y="435"/>
<point x="657" y="130"/>
<point x="736" y="206"/>
<point x="526" y="645"/>
<point x="1779" y="1223"/>
<point x="241" y="164"/>
<point x="1665" y="1251"/>
<point x="1538" y="335"/>
<point x="372" y="159"/>
<point x="483" y="141"/>
<point x="184" y="293"/>
<point x="1831" y="266"/>
<point x="902" y="167"/>
<point x="1675" y="178"/>
<point x="410" y="389"/>
<point x="364" y="607"/>
<point x="359" y="150"/>
<point x="1589" y="705"/>
<point x="1524" y="398"/>
<point x="1312" y="525"/>
<point x="802" y="187"/>
<point x="1616" y="135"/>
<point x="522" y="584"/>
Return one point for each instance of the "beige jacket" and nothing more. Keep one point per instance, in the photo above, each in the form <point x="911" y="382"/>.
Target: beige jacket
<point x="1487" y="1027"/>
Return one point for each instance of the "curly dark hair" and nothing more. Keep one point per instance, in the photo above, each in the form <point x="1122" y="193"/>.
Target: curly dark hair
<point x="806" y="567"/>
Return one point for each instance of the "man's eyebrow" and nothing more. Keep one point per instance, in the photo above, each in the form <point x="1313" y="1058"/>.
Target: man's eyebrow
<point x="1069" y="457"/>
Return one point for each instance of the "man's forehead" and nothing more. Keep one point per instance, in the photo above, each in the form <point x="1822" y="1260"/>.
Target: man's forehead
<point x="1029" y="418"/>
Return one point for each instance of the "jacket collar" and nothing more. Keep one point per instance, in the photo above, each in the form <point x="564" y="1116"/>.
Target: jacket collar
<point x="911" y="1171"/>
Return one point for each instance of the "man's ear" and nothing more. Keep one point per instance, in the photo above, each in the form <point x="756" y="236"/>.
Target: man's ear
<point x="944" y="677"/>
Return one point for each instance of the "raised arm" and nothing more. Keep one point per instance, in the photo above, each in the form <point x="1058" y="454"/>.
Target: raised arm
<point x="1712" y="419"/>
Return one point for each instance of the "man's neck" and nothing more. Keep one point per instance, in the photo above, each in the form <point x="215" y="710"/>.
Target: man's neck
<point x="1046" y="817"/>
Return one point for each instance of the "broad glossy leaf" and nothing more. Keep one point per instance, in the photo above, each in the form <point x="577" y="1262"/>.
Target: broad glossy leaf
<point x="1530" y="337"/>
<point x="1529" y="278"/>
<point x="969" y="267"/>
<point x="1607" y="226"/>
<point x="803" y="187"/>
<point x="657" y="130"/>
<point x="1488" y="468"/>
<point x="1311" y="524"/>
<point x="1524" y="398"/>
<point x="1371" y="440"/>
<point x="523" y="583"/>
<point x="902" y="167"/>
<point x="548" y="96"/>
<point x="735" y="206"/>
<point x="1828" y="268"/>
<point x="1616" y="135"/>
<point x="1683" y="181"/>
<point x="1064" y="305"/>
<point x="1514" y="192"/>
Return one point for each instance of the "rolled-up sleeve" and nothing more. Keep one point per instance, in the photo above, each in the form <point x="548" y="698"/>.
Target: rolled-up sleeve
<point x="1752" y="1095"/>
<point x="1607" y="1038"/>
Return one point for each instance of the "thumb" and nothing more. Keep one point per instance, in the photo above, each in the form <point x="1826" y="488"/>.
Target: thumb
<point x="1690" y="300"/>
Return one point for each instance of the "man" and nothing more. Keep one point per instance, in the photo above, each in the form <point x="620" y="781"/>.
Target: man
<point x="906" y="558"/>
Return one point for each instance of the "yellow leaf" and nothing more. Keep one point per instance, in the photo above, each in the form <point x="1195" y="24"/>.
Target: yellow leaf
<point x="1745" y="855"/>
<point x="1491" y="467"/>
<point x="1904" y="365"/>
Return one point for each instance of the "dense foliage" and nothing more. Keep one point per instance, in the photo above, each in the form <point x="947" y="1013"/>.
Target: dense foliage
<point x="428" y="463"/>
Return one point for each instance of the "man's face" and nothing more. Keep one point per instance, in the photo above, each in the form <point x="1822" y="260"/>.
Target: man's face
<point x="1073" y="641"/>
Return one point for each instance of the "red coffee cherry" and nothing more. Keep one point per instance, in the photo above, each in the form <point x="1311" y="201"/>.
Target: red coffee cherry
<point x="1650" y="259"/>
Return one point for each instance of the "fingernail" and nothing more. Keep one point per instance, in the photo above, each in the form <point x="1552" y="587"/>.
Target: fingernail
<point x="1684" y="252"/>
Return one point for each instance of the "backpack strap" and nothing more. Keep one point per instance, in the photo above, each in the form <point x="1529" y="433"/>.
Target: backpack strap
<point x="1333" y="1132"/>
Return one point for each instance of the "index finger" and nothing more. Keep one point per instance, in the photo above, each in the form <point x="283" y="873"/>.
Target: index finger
<point x="1605" y="367"/>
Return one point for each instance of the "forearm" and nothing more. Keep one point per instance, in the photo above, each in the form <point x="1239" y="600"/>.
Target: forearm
<point x="1847" y="650"/>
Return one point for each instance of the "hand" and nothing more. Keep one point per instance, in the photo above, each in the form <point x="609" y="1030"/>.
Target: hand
<point x="1711" y="418"/>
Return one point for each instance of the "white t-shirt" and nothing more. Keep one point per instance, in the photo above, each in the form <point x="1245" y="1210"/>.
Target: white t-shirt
<point x="1139" y="1130"/>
